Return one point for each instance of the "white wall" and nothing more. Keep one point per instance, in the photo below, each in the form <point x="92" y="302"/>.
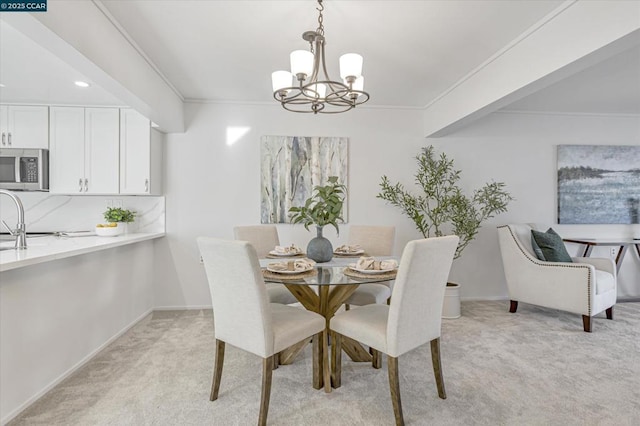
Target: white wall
<point x="211" y="187"/>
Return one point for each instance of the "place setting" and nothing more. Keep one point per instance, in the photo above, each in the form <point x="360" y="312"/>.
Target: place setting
<point x="366" y="267"/>
<point x="347" y="250"/>
<point x="286" y="251"/>
<point x="291" y="269"/>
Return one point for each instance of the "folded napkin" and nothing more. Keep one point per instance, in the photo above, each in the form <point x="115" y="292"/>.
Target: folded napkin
<point x="346" y="248"/>
<point x="298" y="265"/>
<point x="292" y="249"/>
<point x="376" y="265"/>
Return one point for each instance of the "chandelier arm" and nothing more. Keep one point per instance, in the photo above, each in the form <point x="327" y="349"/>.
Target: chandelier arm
<point x="319" y="47"/>
<point x="324" y="69"/>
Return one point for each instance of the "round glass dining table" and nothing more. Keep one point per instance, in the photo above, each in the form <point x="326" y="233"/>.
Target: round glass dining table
<point x="324" y="292"/>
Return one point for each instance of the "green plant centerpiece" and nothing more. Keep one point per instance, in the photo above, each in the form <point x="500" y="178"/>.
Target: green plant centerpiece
<point x="442" y="208"/>
<point x="324" y="207"/>
<point x="116" y="214"/>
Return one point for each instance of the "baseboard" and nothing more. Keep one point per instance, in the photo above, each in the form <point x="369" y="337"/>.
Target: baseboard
<point x="483" y="299"/>
<point x="182" y="308"/>
<point x="629" y="299"/>
<point x="71" y="370"/>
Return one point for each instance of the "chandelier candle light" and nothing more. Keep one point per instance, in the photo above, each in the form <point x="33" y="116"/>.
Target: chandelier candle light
<point x="311" y="93"/>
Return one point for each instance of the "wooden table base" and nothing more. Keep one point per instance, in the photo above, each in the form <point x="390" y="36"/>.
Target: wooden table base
<point x="326" y="303"/>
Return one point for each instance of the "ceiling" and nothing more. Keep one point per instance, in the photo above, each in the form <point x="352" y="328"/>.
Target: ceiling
<point x="32" y="74"/>
<point x="225" y="51"/>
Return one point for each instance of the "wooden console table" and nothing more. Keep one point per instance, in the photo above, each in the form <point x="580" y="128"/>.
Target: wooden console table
<point x="622" y="243"/>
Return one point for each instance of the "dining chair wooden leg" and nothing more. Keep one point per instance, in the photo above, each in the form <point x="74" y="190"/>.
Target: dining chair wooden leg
<point x="376" y="362"/>
<point x="267" y="372"/>
<point x="347" y="306"/>
<point x="326" y="372"/>
<point x="394" y="387"/>
<point x="317" y="361"/>
<point x="437" y="367"/>
<point x="336" y="360"/>
<point x="513" y="306"/>
<point x="217" y="370"/>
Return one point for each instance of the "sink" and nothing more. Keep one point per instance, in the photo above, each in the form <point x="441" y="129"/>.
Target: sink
<point x="7" y="237"/>
<point x="7" y="241"/>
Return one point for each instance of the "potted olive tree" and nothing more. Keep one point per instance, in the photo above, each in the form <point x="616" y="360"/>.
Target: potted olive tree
<point x="324" y="207"/>
<point x="441" y="207"/>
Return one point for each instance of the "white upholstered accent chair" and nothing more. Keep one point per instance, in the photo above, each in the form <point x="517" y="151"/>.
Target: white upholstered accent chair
<point x="412" y="319"/>
<point x="264" y="238"/>
<point x="244" y="318"/>
<point x="376" y="241"/>
<point x="586" y="287"/>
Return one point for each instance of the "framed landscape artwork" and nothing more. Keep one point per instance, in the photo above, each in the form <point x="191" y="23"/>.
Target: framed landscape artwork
<point x="598" y="184"/>
<point x="291" y="166"/>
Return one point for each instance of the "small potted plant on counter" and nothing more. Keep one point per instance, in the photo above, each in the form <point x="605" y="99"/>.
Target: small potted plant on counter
<point x="117" y="220"/>
<point x="324" y="207"/>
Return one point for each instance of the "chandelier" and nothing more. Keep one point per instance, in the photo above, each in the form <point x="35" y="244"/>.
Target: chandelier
<point x="312" y="91"/>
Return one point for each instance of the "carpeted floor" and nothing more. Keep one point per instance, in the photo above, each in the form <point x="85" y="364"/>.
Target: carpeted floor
<point x="535" y="367"/>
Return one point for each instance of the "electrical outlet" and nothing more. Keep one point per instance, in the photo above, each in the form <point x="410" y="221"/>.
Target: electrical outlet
<point x="613" y="252"/>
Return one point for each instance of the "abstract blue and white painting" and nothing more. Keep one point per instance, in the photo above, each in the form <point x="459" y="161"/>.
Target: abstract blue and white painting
<point x="598" y="184"/>
<point x="291" y="166"/>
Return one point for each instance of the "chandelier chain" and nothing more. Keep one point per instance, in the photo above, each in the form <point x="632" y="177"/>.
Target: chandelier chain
<point x="320" y="29"/>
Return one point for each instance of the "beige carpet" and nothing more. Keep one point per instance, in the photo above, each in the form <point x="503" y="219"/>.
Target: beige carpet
<point x="535" y="367"/>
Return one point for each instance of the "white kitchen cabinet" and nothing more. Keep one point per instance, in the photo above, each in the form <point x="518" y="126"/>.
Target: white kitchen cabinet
<point x="84" y="150"/>
<point x="24" y="126"/>
<point x="140" y="154"/>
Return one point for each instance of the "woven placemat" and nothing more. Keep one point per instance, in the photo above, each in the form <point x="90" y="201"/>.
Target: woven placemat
<point x="350" y="255"/>
<point x="273" y="256"/>
<point x="274" y="275"/>
<point x="385" y="276"/>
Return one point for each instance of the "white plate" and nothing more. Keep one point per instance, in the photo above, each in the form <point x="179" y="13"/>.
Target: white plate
<point x="275" y="253"/>
<point x="287" y="272"/>
<point x="349" y="253"/>
<point x="370" y="271"/>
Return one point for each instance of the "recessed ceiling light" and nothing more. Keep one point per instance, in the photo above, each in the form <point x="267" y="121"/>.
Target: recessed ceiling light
<point x="82" y="84"/>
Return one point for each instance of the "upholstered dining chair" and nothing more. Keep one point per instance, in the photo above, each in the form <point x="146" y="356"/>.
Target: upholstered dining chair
<point x="244" y="318"/>
<point x="412" y="319"/>
<point x="586" y="286"/>
<point x="264" y="238"/>
<point x="376" y="241"/>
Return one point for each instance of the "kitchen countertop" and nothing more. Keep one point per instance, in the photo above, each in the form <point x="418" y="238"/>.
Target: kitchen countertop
<point x="47" y="248"/>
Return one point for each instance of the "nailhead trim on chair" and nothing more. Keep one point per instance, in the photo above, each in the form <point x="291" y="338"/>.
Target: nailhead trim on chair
<point x="555" y="265"/>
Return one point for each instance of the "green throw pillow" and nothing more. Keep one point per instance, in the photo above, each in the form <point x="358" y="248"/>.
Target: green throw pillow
<point x="551" y="246"/>
<point x="536" y="248"/>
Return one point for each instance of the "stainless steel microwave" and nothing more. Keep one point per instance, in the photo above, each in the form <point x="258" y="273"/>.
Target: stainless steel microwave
<point x="24" y="169"/>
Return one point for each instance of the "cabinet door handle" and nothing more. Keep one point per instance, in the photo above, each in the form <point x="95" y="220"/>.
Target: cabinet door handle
<point x="80" y="185"/>
<point x="86" y="185"/>
<point x="4" y="138"/>
<point x="9" y="139"/>
<point x="146" y="185"/>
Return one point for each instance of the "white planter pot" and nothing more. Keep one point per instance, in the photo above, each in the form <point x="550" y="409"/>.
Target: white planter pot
<point x="451" y="304"/>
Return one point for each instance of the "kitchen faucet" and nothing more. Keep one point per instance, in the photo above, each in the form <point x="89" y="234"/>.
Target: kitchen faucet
<point x="21" y="228"/>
